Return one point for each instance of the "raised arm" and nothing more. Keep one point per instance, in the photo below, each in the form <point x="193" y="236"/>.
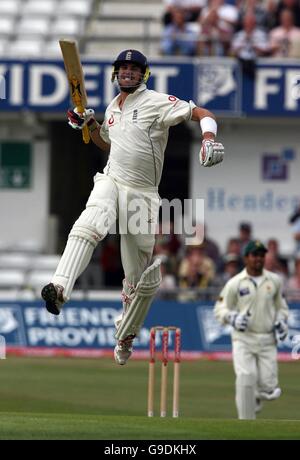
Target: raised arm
<point x="78" y="121"/>
<point x="211" y="152"/>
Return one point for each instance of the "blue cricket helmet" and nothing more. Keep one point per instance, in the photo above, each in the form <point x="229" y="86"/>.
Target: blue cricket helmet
<point x="131" y="56"/>
<point x="135" y="57"/>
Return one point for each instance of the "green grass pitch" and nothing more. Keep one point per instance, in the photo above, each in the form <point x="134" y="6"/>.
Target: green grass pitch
<point x="61" y="398"/>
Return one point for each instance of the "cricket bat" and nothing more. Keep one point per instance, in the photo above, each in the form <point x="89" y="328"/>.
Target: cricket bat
<point x="75" y="77"/>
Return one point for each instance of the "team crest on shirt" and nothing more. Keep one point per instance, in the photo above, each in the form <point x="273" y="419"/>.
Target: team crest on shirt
<point x="135" y="116"/>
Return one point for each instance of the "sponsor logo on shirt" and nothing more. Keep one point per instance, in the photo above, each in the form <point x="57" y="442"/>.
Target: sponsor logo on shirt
<point x="244" y="291"/>
<point x="111" y="121"/>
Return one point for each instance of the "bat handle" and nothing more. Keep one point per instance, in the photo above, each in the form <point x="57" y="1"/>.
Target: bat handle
<point x="85" y="135"/>
<point x="85" y="130"/>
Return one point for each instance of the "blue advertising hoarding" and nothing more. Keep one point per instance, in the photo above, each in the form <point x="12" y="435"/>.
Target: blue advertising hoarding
<point x="216" y="83"/>
<point x="88" y="326"/>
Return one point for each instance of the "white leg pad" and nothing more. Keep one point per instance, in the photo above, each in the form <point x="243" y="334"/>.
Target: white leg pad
<point x="127" y="296"/>
<point x="144" y="293"/>
<point x="245" y="397"/>
<point x="91" y="227"/>
<point x="76" y="256"/>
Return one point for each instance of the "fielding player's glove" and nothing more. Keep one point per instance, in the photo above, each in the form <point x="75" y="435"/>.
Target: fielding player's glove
<point x="211" y="153"/>
<point x="238" y="321"/>
<point x="281" y="330"/>
<point x="78" y="120"/>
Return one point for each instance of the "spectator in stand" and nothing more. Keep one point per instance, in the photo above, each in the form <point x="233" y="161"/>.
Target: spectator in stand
<point x="276" y="7"/>
<point x="191" y="8"/>
<point x="285" y="39"/>
<point x="166" y="246"/>
<point x="273" y="265"/>
<point x="245" y="235"/>
<point x="295" y="222"/>
<point x="211" y="248"/>
<point x="273" y="248"/>
<point x="218" y="21"/>
<point x="250" y="43"/>
<point x="168" y="282"/>
<point x="231" y="267"/>
<point x="196" y="269"/>
<point x="256" y="8"/>
<point x="293" y="284"/>
<point x="179" y="37"/>
<point x="234" y="247"/>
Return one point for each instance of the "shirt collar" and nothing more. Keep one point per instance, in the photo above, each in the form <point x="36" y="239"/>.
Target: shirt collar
<point x="245" y="274"/>
<point x="130" y="97"/>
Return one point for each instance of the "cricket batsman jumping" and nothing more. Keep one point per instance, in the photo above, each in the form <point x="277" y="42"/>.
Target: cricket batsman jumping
<point x="135" y="133"/>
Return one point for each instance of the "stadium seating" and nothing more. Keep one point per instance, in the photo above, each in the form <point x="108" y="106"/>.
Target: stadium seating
<point x="125" y="24"/>
<point x="12" y="279"/>
<point x="24" y="47"/>
<point x="33" y="26"/>
<point x="102" y="27"/>
<point x="9" y="7"/>
<point x="82" y="8"/>
<point x="3" y="46"/>
<point x="67" y="26"/>
<point x="45" y="262"/>
<point x="37" y="279"/>
<point x="41" y="8"/>
<point x="131" y="8"/>
<point x="7" y="24"/>
<point x="15" y="261"/>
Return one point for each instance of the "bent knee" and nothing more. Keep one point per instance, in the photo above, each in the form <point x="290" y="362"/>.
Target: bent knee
<point x="93" y="224"/>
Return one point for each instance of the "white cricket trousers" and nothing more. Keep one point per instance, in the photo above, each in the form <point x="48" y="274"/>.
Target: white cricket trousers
<point x="255" y="366"/>
<point x="135" y="210"/>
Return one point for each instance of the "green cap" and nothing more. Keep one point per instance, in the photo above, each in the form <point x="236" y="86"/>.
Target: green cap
<point x="254" y="246"/>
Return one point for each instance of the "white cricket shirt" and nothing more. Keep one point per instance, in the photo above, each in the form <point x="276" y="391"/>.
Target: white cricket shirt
<point x="138" y="135"/>
<point x="265" y="302"/>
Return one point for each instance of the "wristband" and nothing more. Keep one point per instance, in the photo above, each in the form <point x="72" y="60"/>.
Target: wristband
<point x="92" y="125"/>
<point x="208" y="124"/>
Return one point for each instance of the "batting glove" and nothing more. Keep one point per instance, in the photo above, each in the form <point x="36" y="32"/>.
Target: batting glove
<point x="211" y="153"/>
<point x="78" y="120"/>
<point x="281" y="330"/>
<point x="238" y="321"/>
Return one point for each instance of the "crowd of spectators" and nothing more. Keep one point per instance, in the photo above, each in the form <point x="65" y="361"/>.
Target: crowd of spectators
<point x="246" y="29"/>
<point x="200" y="270"/>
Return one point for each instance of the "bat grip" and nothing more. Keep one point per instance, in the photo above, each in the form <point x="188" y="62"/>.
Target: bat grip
<point x="85" y="134"/>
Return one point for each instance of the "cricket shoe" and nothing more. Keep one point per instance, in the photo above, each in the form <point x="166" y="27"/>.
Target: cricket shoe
<point x="271" y="395"/>
<point x="52" y="294"/>
<point x="123" y="350"/>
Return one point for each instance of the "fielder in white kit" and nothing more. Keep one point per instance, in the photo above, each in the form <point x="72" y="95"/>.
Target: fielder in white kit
<point x="253" y="303"/>
<point x="135" y="132"/>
